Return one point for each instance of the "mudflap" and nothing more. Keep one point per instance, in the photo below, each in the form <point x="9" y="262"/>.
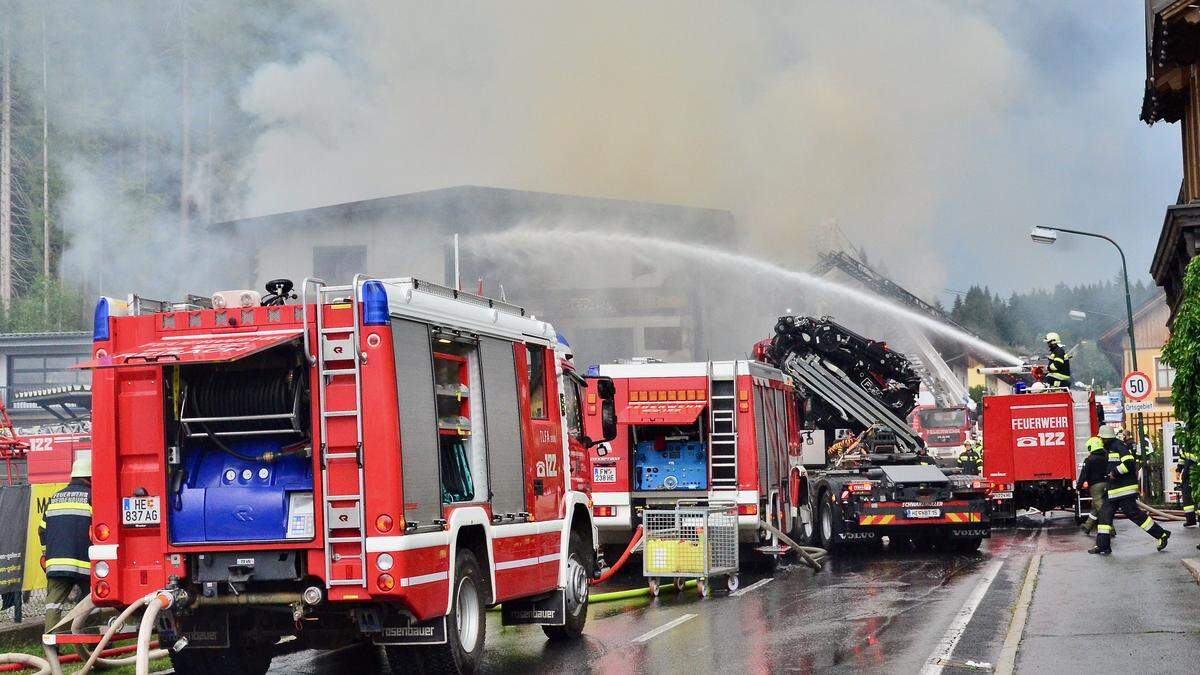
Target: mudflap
<point x="203" y="630"/>
<point x="398" y="629"/>
<point x="546" y="610"/>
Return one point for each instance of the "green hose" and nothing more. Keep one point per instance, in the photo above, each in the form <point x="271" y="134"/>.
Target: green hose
<point x="633" y="592"/>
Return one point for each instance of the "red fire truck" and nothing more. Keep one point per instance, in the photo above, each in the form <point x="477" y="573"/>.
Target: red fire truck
<point x="1033" y="446"/>
<point x="382" y="460"/>
<point x="944" y="429"/>
<point x="717" y="431"/>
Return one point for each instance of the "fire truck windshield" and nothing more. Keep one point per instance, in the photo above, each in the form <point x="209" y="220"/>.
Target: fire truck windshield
<point x="953" y="418"/>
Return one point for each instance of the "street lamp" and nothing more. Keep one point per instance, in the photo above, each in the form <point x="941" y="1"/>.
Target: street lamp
<point x="1044" y="234"/>
<point x="1077" y="315"/>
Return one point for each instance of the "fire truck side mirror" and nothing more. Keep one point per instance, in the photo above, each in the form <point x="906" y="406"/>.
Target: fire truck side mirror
<point x="607" y="391"/>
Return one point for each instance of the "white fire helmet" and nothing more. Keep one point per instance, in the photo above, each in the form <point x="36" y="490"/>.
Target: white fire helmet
<point x="1052" y="337"/>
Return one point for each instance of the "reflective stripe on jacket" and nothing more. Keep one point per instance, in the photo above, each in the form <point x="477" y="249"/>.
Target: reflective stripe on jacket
<point x="1122" y="468"/>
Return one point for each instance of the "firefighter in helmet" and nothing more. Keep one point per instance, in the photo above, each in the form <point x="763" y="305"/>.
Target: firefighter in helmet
<point x="64" y="537"/>
<point x="1093" y="478"/>
<point x="970" y="460"/>
<point x="1122" y="496"/>
<point x="1058" y="373"/>
<point x="923" y="456"/>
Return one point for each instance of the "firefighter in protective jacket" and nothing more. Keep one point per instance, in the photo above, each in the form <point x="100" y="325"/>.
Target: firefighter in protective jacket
<point x="1058" y="373"/>
<point x="970" y="460"/>
<point x="64" y="536"/>
<point x="1189" y="464"/>
<point x="1122" y="496"/>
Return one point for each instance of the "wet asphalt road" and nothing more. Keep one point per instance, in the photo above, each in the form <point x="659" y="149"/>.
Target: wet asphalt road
<point x="883" y="612"/>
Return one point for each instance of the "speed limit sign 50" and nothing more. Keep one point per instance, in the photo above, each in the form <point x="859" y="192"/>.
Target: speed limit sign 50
<point x="1136" y="386"/>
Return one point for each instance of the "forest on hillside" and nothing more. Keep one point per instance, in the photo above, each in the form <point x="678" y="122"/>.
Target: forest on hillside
<point x="1021" y="321"/>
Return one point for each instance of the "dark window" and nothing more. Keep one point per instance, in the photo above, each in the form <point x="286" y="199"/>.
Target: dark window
<point x="572" y="408"/>
<point x="339" y="264"/>
<point x="663" y="338"/>
<point x="537" y="381"/>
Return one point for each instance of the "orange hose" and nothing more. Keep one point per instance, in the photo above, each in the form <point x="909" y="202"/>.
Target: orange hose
<point x="637" y="536"/>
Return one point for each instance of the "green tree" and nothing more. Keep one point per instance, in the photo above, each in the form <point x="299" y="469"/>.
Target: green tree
<point x="1182" y="351"/>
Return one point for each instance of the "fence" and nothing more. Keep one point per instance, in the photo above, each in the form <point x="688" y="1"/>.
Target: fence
<point x="1152" y="423"/>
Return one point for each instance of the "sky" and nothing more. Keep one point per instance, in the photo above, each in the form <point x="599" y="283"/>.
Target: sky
<point x="932" y="134"/>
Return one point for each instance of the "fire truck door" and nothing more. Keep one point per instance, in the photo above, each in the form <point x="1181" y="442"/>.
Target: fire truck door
<point x="418" y="422"/>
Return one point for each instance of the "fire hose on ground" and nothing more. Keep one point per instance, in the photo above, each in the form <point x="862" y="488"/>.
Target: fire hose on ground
<point x="52" y="663"/>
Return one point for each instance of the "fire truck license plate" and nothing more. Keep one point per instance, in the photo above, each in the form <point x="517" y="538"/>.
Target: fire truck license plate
<point x="139" y="511"/>
<point x="922" y="513"/>
<point x="1001" y="495"/>
<point x="604" y="474"/>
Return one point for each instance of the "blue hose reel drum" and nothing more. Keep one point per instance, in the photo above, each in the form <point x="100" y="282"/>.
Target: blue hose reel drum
<point x="678" y="465"/>
<point x="223" y="498"/>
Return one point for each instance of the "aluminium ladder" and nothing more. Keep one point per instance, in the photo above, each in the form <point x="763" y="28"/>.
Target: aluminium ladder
<point x="339" y="518"/>
<point x="722" y="432"/>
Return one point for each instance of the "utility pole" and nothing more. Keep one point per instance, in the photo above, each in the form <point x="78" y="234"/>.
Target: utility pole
<point x="45" y="180"/>
<point x="6" y="168"/>
<point x="185" y="123"/>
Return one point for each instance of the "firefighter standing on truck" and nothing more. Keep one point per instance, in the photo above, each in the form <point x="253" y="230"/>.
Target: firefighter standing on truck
<point x="1058" y="373"/>
<point x="1122" y="496"/>
<point x="1188" y="461"/>
<point x="64" y="536"/>
<point x="1094" y="477"/>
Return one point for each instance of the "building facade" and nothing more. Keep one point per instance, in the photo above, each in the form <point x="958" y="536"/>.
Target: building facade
<point x="1172" y="94"/>
<point x="611" y="306"/>
<point x="39" y="364"/>
<point x="1151" y="333"/>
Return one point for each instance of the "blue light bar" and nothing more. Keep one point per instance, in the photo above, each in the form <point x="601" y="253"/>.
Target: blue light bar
<point x="100" y="321"/>
<point x="593" y="370"/>
<point x="375" y="304"/>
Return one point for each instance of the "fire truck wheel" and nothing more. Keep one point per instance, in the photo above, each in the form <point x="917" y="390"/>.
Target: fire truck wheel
<point x="466" y="626"/>
<point x="830" y="517"/>
<point x="576" y="592"/>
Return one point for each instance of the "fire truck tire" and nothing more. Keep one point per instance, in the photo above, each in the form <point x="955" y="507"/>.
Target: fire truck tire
<point x="466" y="626"/>
<point x="830" y="522"/>
<point x="236" y="659"/>
<point x="576" y="591"/>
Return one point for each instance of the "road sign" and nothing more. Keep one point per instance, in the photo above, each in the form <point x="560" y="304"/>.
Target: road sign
<point x="1138" y="407"/>
<point x="1136" y="386"/>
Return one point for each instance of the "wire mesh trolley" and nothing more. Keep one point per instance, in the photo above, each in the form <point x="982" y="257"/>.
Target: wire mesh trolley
<point x="694" y="540"/>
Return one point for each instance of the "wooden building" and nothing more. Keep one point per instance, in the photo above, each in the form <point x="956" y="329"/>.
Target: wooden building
<point x="1172" y="94"/>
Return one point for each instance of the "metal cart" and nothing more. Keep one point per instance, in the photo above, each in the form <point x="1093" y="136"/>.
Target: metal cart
<point x="694" y="540"/>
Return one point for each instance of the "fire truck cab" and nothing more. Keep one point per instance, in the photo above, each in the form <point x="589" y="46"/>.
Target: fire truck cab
<point x="382" y="460"/>
<point x="719" y="431"/>
<point x="944" y="429"/>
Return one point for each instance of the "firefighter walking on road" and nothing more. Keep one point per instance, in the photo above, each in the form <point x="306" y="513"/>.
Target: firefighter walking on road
<point x="1058" y="373"/>
<point x="64" y="536"/>
<point x="970" y="460"/>
<point x="1188" y="461"/>
<point x="1122" y="495"/>
<point x="1094" y="478"/>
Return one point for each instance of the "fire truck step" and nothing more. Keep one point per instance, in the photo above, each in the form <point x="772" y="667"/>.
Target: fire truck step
<point x="338" y="371"/>
<point x="328" y="331"/>
<point x="722" y="397"/>
<point x="342" y="455"/>
<point x="339" y="413"/>
<point x="346" y="582"/>
<point x="344" y="540"/>
<point x="343" y="498"/>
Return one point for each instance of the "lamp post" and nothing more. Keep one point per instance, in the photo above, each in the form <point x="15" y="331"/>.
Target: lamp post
<point x="1044" y="234"/>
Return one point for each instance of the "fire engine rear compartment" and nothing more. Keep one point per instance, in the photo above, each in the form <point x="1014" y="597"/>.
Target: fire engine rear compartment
<point x="239" y="449"/>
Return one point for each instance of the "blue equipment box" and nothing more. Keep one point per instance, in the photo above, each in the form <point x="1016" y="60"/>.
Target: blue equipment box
<point x="678" y="466"/>
<point x="223" y="498"/>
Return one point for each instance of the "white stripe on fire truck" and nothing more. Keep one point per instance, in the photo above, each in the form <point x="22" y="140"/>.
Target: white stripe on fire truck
<point x="102" y="552"/>
<point x="1040" y="405"/>
<point x="424" y="579"/>
<point x="407" y="542"/>
<point x="527" y="562"/>
<point x="525" y="529"/>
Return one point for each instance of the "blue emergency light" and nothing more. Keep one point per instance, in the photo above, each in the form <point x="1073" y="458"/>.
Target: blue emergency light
<point x="100" y="321"/>
<point x="375" y="304"/>
<point x="593" y="370"/>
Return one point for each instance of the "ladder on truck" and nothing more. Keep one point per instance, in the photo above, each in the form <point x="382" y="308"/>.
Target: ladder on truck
<point x="339" y="345"/>
<point x="722" y="432"/>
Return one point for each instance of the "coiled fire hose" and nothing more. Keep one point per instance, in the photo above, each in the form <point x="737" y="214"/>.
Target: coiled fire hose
<point x="811" y="555"/>
<point x="52" y="664"/>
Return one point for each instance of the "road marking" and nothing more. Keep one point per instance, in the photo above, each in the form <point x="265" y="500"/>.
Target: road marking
<point x="954" y="633"/>
<point x="758" y="584"/>
<point x="646" y="637"/>
<point x="1007" y="662"/>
